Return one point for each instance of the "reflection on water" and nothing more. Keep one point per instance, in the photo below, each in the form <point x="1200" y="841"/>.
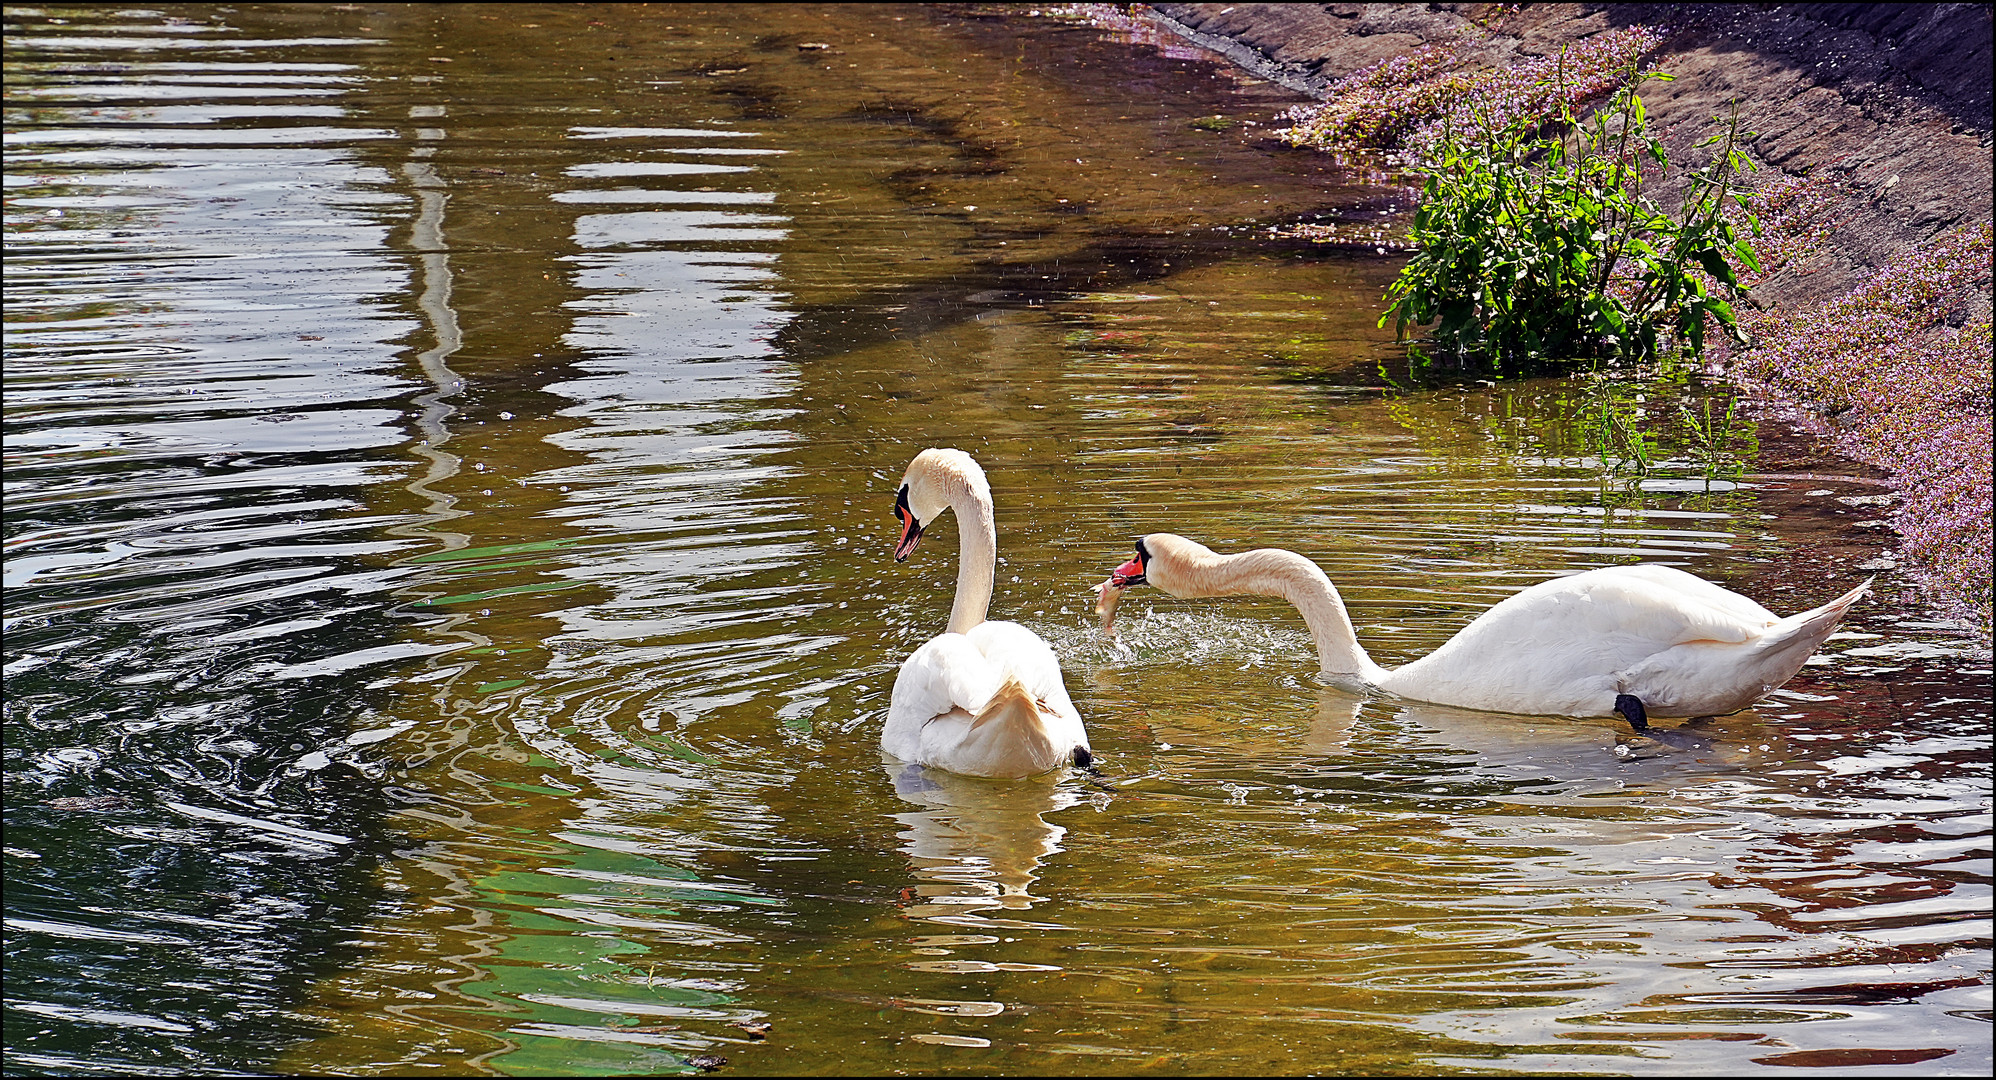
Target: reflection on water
<point x="975" y="843"/>
<point x="449" y="454"/>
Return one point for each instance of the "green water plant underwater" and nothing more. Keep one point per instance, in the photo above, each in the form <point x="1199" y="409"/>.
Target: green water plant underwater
<point x="1654" y="423"/>
<point x="1719" y="442"/>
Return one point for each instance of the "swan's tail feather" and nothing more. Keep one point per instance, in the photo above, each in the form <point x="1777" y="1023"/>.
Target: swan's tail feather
<point x="1817" y="623"/>
<point x="1010" y="702"/>
<point x="1008" y="737"/>
<point x="1796" y="637"/>
<point x="1843" y="603"/>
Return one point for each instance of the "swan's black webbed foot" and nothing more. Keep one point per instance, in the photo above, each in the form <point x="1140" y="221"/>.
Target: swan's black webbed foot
<point x="1631" y="708"/>
<point x="1085" y="761"/>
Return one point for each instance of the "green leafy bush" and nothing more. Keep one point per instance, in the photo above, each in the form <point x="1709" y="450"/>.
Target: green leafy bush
<point x="1537" y="245"/>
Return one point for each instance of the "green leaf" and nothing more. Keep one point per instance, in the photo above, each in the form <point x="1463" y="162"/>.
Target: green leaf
<point x="1716" y="265"/>
<point x="1745" y="252"/>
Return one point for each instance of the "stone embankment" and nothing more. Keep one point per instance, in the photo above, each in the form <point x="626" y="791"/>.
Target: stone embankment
<point x="1892" y="98"/>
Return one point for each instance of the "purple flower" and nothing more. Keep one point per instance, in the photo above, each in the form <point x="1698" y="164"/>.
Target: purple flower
<point x="1405" y="101"/>
<point x="1903" y="386"/>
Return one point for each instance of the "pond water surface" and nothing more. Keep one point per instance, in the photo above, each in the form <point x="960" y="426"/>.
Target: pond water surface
<point x="450" y="454"/>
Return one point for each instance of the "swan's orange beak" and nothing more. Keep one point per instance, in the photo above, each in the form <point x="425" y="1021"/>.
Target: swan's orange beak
<point x="911" y="529"/>
<point x="1128" y="574"/>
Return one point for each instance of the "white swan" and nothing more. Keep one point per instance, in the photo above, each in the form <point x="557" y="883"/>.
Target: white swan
<point x="1634" y="640"/>
<point x="981" y="698"/>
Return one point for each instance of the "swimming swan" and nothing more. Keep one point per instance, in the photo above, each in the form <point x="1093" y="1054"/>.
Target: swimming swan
<point x="981" y="698"/>
<point x="1635" y="640"/>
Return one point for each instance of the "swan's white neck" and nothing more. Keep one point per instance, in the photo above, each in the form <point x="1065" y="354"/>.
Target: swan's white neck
<point x="977" y="556"/>
<point x="1271" y="572"/>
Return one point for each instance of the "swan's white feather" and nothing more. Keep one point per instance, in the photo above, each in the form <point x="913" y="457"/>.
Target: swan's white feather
<point x="1031" y="660"/>
<point x="946" y="684"/>
<point x="948" y="673"/>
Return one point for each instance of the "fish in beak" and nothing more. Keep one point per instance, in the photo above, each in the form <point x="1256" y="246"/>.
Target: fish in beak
<point x="1107" y="595"/>
<point x="1110" y="592"/>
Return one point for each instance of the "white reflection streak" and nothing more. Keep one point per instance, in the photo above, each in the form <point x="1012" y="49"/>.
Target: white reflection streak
<point x="427" y="239"/>
<point x="675" y="332"/>
<point x="976" y="842"/>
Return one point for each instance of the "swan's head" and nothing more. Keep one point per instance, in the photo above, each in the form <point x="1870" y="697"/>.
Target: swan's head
<point x="932" y="481"/>
<point x="1110" y="593"/>
<point x="1164" y="560"/>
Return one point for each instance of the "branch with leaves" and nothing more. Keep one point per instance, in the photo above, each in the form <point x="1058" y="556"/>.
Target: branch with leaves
<point x="1537" y="245"/>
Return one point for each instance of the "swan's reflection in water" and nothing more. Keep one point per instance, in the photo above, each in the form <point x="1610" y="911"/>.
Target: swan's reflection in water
<point x="1348" y="721"/>
<point x="1580" y="747"/>
<point x="1333" y="724"/>
<point x="975" y="844"/>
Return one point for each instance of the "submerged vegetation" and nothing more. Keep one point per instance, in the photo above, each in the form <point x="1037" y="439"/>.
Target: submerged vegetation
<point x="1626" y="439"/>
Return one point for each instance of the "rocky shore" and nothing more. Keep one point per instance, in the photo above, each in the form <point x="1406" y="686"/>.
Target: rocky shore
<point x="1894" y="99"/>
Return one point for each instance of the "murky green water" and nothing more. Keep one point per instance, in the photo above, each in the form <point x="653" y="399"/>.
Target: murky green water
<point x="450" y="453"/>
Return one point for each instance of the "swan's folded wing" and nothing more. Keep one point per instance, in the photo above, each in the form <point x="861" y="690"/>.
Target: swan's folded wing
<point x="947" y="675"/>
<point x="947" y="672"/>
<point x="1706" y="612"/>
<point x="1565" y="646"/>
<point x="1658" y="605"/>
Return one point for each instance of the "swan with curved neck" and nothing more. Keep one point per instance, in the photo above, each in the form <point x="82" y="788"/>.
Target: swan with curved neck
<point x="981" y="698"/>
<point x="1636" y="640"/>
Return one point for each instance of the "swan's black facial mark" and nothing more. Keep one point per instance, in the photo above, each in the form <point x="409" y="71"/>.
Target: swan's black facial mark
<point x="1132" y="572"/>
<point x="911" y="530"/>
